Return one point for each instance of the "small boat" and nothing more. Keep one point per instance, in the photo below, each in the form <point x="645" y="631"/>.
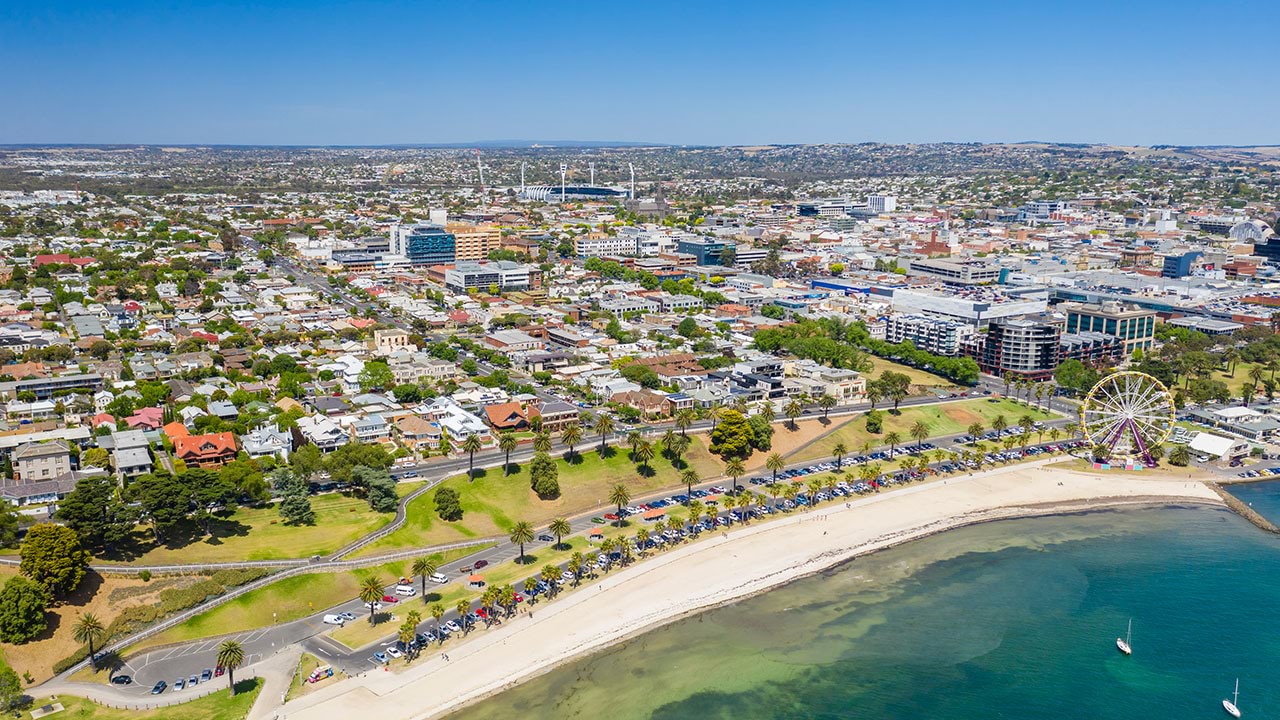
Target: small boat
<point x="1230" y="705"/>
<point x="1123" y="644"/>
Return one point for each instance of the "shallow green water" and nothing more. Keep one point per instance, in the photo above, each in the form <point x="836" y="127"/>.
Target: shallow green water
<point x="1016" y="619"/>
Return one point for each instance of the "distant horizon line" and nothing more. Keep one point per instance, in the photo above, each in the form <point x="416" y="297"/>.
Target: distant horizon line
<point x="579" y="144"/>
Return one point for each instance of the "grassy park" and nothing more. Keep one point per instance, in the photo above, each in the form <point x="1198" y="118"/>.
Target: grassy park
<point x="943" y="419"/>
<point x="493" y="502"/>
<point x="288" y="599"/>
<point x="918" y="377"/>
<point x="218" y="706"/>
<point x="259" y="533"/>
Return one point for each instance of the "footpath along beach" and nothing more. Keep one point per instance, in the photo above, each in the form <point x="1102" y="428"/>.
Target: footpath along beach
<point x="721" y="569"/>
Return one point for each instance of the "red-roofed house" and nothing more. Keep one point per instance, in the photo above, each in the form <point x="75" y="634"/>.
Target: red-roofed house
<point x="212" y="450"/>
<point x="63" y="259"/>
<point x="206" y="336"/>
<point x="175" y="430"/>
<point x="150" y="418"/>
<point x="506" y="416"/>
<point x="102" y="419"/>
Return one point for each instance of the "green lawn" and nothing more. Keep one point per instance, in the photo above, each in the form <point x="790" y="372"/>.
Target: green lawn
<point x="943" y="419"/>
<point x="918" y="377"/>
<point x="1241" y="378"/>
<point x="258" y="533"/>
<point x="492" y="503"/>
<point x="287" y="600"/>
<point x="218" y="706"/>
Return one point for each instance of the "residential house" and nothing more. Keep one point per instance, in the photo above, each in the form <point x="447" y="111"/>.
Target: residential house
<point x="507" y="416"/>
<point x="370" y="428"/>
<point x="35" y="462"/>
<point x="320" y="431"/>
<point x="130" y="453"/>
<point x="417" y="434"/>
<point x="211" y="450"/>
<point x="150" y="418"/>
<point x="556" y="415"/>
<point x="267" y="440"/>
<point x="647" y="402"/>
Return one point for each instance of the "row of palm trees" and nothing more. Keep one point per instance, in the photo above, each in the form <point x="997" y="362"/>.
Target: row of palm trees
<point x="1043" y="391"/>
<point x="90" y="630"/>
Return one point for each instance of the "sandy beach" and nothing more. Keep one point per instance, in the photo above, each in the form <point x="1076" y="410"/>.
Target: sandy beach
<point x="722" y="569"/>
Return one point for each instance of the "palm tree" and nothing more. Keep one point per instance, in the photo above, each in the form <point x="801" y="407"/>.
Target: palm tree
<point x="668" y="441"/>
<point x="603" y="428"/>
<point x="793" y="410"/>
<point x="839" y="451"/>
<point x="471" y="446"/>
<point x="999" y="424"/>
<point x="1071" y="429"/>
<point x="559" y="527"/>
<point x="1054" y="434"/>
<point x="827" y="402"/>
<point x="791" y="492"/>
<point x="696" y="508"/>
<point x="775" y="463"/>
<point x="231" y="656"/>
<point x="521" y="533"/>
<point x="619" y="495"/>
<point x="542" y="442"/>
<point x="735" y="469"/>
<point x="1008" y="378"/>
<point x="744" y="505"/>
<point x="1026" y="422"/>
<point x="683" y="420"/>
<point x="1180" y="456"/>
<point x="422" y="567"/>
<point x="643" y="453"/>
<point x="774" y="491"/>
<point x="814" y="486"/>
<point x="89" y="629"/>
<point x="634" y="438"/>
<point x="642" y="540"/>
<point x="463" y="608"/>
<point x="575" y="566"/>
<point x="507" y="442"/>
<point x="531" y="583"/>
<point x="437" y="612"/>
<point x="370" y="593"/>
<point x="1255" y="374"/>
<point x="892" y="439"/>
<point x="766" y="411"/>
<point x="690" y="478"/>
<point x="920" y="432"/>
<point x="571" y="435"/>
<point x="714" y="414"/>
<point x="975" y="429"/>
<point x="405" y="635"/>
<point x="678" y="447"/>
<point x="874" y="393"/>
<point x="549" y="575"/>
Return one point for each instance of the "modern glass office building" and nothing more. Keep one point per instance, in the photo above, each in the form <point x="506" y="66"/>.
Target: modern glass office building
<point x="424" y="244"/>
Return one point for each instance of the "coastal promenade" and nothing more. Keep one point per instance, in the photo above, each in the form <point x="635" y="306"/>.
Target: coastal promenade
<point x="721" y="569"/>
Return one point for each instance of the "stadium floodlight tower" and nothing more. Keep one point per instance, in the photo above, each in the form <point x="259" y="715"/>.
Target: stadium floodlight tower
<point x="593" y="173"/>
<point x="563" y="169"/>
<point x="632" y="168"/>
<point x="521" y="176"/>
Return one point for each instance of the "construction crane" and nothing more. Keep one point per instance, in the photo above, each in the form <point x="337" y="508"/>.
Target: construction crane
<point x="484" y="203"/>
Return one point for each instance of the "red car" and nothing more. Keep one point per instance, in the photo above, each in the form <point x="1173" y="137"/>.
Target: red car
<point x="390" y="599"/>
<point x="519" y="598"/>
<point x="482" y="612"/>
<point x="610" y="516"/>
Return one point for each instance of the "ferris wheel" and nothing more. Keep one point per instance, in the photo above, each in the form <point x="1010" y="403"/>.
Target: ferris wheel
<point x="1128" y="413"/>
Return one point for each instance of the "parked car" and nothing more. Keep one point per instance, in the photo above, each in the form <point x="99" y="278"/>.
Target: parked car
<point x="159" y="687"/>
<point x="207" y="675"/>
<point x="439" y="578"/>
<point x="122" y="680"/>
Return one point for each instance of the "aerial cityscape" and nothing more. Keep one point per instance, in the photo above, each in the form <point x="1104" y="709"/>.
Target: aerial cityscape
<point x="319" y="397"/>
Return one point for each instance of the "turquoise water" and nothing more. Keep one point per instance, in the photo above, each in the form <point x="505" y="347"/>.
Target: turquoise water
<point x="1015" y="619"/>
<point x="1263" y="497"/>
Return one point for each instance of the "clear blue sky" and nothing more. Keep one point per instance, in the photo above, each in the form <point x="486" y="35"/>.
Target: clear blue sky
<point x="325" y="72"/>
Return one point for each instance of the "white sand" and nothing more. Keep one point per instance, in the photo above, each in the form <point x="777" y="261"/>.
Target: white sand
<point x="715" y="571"/>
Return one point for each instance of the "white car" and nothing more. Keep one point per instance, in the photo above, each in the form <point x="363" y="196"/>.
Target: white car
<point x="439" y="578"/>
<point x="334" y="620"/>
<point x="393" y="652"/>
<point x="374" y="606"/>
<point x="406" y="590"/>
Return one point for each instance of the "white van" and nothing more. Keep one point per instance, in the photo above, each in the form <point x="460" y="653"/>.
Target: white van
<point x="406" y="590"/>
<point x="334" y="620"/>
<point x="439" y="578"/>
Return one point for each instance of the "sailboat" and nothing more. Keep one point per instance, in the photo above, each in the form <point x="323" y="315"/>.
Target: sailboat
<point x="1230" y="705"/>
<point x="1124" y="644"/>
